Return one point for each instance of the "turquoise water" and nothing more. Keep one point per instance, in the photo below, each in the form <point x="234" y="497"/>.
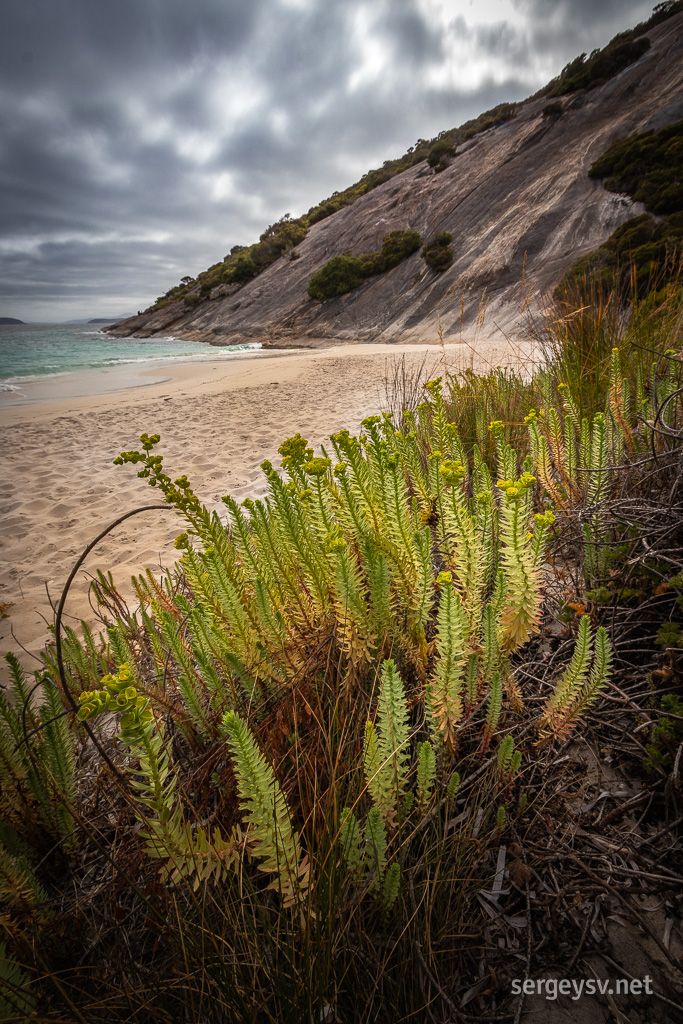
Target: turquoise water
<point x="28" y="351"/>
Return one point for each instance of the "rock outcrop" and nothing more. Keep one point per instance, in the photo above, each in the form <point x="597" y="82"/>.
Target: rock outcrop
<point x="517" y="200"/>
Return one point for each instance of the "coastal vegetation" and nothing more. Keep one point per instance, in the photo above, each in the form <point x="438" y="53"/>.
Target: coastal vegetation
<point x="346" y="272"/>
<point x="553" y="109"/>
<point x="290" y="782"/>
<point x="437" y="252"/>
<point x="341" y="274"/>
<point x="645" y="251"/>
<point x="646" y="167"/>
<point x="439" y="156"/>
<point x="587" y="73"/>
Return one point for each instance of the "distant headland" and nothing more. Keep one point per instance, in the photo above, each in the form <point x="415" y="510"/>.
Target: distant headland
<point x="9" y="320"/>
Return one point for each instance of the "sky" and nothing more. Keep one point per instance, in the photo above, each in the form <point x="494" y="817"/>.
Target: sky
<point x="141" y="139"/>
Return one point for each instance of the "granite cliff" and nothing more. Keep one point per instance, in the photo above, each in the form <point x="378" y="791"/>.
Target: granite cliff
<point x="516" y="198"/>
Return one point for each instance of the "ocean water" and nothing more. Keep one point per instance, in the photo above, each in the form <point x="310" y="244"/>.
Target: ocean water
<point x="30" y="351"/>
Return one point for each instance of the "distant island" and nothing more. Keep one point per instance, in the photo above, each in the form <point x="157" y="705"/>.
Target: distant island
<point x="105" y="320"/>
<point x="10" y="320"/>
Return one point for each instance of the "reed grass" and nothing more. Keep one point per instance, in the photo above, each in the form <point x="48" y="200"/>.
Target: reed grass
<point x="584" y="323"/>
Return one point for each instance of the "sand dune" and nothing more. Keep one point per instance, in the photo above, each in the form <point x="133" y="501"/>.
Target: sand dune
<point x="217" y="424"/>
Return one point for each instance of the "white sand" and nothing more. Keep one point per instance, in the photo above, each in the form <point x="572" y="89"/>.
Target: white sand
<point x="218" y="422"/>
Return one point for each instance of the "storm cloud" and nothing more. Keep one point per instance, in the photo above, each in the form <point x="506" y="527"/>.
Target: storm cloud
<point x="141" y="139"/>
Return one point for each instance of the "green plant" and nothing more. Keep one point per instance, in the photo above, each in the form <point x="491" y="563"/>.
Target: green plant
<point x="275" y="843"/>
<point x="186" y="853"/>
<point x="439" y="156"/>
<point x="364" y="855"/>
<point x="670" y="634"/>
<point x="606" y="376"/>
<point x="339" y="275"/>
<point x="508" y="760"/>
<point x="437" y="252"/>
<point x="667" y="735"/>
<point x="37" y="762"/>
<point x="372" y="263"/>
<point x="583" y="327"/>
<point x="243" y="269"/>
<point x="646" y="167"/>
<point x="582" y="73"/>
<point x="426" y="773"/>
<point x="386" y="751"/>
<point x="500" y="114"/>
<point x="398" y="246"/>
<point x="553" y="109"/>
<point x="476" y="400"/>
<point x="445" y="693"/>
<point x="361" y="568"/>
<point x="344" y="273"/>
<point x="17" y="994"/>
<point x="581" y="683"/>
<point x="329" y="696"/>
<point x="642" y="257"/>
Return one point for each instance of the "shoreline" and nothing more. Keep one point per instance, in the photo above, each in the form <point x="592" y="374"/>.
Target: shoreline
<point x="66" y="385"/>
<point x="218" y="422"/>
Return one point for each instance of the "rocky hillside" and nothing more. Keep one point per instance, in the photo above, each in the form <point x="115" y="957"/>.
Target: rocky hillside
<point x="516" y="198"/>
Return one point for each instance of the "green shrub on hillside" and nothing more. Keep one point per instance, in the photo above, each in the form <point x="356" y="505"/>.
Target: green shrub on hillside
<point x="324" y="210"/>
<point x="372" y="263"/>
<point x="501" y="114"/>
<point x="601" y="65"/>
<point x="660" y="12"/>
<point x="625" y="48"/>
<point x="440" y="154"/>
<point x="343" y="273"/>
<point x="439" y="258"/>
<point x="553" y="109"/>
<point x="647" y="167"/>
<point x="640" y="256"/>
<point x="284" y="234"/>
<point x="243" y="269"/>
<point x="643" y="254"/>
<point x="339" y="275"/>
<point x="243" y="262"/>
<point x="437" y="252"/>
<point x="398" y="246"/>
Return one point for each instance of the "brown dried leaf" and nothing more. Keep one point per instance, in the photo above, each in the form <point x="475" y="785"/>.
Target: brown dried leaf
<point x="520" y="873"/>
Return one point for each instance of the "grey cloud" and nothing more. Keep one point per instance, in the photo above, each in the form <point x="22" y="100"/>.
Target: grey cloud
<point x="68" y="276"/>
<point x="69" y="41"/>
<point x="506" y="42"/>
<point x="414" y="40"/>
<point x="568" y="27"/>
<point x="586" y="11"/>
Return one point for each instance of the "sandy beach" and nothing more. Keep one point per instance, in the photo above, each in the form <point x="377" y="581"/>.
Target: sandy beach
<point x="217" y="421"/>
